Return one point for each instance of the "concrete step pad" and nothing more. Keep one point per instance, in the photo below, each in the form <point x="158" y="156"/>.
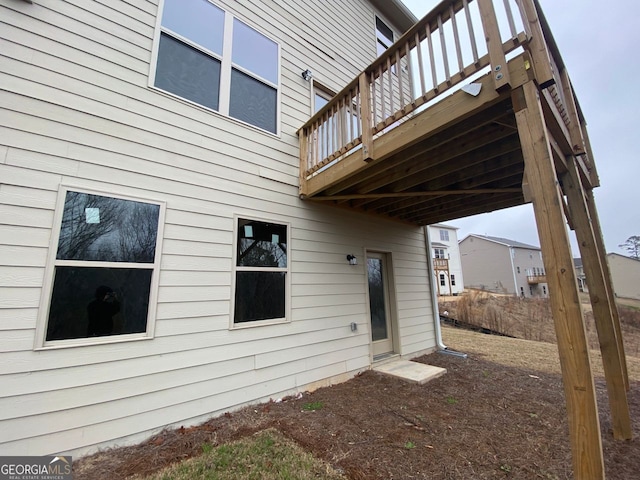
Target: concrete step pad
<point x="411" y="371"/>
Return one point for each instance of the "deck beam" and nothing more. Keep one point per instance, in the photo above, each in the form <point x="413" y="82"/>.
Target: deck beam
<point x="579" y="388"/>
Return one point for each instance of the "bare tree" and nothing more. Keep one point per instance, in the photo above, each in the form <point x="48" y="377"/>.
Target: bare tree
<point x="632" y="246"/>
<point x="77" y="234"/>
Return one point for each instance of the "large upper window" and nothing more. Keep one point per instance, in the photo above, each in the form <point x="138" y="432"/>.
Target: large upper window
<point x="444" y="235"/>
<point x="207" y="56"/>
<point x="261" y="271"/>
<point x="107" y="260"/>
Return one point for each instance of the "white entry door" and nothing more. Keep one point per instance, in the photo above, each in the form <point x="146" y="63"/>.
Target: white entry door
<point x="381" y="331"/>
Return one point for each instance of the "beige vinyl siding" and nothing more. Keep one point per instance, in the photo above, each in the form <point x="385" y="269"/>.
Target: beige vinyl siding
<point x="76" y="109"/>
<point x="625" y="275"/>
<point x="486" y="265"/>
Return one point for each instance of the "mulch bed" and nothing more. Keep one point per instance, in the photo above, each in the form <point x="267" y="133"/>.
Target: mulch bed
<point x="480" y="420"/>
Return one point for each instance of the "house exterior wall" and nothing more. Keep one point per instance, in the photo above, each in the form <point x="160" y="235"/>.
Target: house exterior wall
<point x="625" y="275"/>
<point x="76" y="109"/>
<point x="487" y="265"/>
<point x="528" y="262"/>
<point x="452" y="253"/>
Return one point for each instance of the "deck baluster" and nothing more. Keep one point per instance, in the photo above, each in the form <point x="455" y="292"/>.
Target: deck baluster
<point x="472" y="36"/>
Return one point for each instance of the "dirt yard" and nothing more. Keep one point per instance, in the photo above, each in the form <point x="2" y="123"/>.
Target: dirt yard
<point x="497" y="414"/>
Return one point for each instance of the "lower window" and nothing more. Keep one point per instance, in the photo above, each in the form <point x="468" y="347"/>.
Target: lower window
<point x="104" y="271"/>
<point x="261" y="271"/>
<point x="95" y="302"/>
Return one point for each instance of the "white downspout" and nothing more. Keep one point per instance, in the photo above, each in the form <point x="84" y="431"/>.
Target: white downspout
<point x="434" y="297"/>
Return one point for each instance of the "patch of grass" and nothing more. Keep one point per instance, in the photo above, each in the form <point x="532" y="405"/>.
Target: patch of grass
<point x="207" y="448"/>
<point x="312" y="406"/>
<point x="409" y="445"/>
<point x="267" y="455"/>
<point x="451" y="400"/>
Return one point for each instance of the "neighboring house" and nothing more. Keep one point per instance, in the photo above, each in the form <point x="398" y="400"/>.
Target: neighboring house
<point x="580" y="275"/>
<point x="157" y="266"/>
<point x="447" y="267"/>
<point x="503" y="266"/>
<point x="625" y="275"/>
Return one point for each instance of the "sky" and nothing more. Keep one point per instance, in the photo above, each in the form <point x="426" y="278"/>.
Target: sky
<point x="599" y="48"/>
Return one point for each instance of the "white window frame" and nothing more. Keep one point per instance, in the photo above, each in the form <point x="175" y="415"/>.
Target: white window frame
<point x="444" y="235"/>
<point x="226" y="66"/>
<point x="52" y="262"/>
<point x="235" y="268"/>
<point x="317" y="89"/>
<point x="381" y="38"/>
<point x="439" y="253"/>
<point x="453" y="280"/>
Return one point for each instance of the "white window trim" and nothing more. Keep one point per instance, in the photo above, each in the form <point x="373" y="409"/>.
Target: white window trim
<point x="52" y="263"/>
<point x="225" y="68"/>
<point x="235" y="268"/>
<point x="378" y="39"/>
<point x="318" y="88"/>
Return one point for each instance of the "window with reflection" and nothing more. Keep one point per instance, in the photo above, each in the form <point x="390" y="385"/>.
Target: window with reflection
<point x="194" y="37"/>
<point x="384" y="39"/>
<point x="384" y="36"/>
<point x="261" y="271"/>
<point x="106" y="258"/>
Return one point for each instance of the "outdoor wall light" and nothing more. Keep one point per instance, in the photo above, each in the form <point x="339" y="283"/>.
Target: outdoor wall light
<point x="307" y="75"/>
<point x="352" y="259"/>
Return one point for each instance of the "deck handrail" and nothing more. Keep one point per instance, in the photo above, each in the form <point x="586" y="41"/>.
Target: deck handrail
<point x="457" y="39"/>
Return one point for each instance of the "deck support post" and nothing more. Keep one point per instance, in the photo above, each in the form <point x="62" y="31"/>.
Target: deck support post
<point x="615" y="314"/>
<point x="579" y="388"/>
<point x="602" y="308"/>
<point x="499" y="69"/>
<point x="365" y="117"/>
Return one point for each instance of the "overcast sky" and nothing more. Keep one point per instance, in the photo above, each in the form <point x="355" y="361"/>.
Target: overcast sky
<point x="598" y="42"/>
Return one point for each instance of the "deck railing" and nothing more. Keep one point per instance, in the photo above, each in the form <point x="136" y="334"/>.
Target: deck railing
<point x="455" y="41"/>
<point x="440" y="264"/>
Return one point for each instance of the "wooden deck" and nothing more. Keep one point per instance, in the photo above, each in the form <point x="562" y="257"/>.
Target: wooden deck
<point x="427" y="151"/>
<point x="472" y="110"/>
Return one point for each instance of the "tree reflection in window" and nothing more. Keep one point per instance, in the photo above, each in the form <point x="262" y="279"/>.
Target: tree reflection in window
<point x="261" y="269"/>
<point x="377" y="299"/>
<point x="97" y="228"/>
